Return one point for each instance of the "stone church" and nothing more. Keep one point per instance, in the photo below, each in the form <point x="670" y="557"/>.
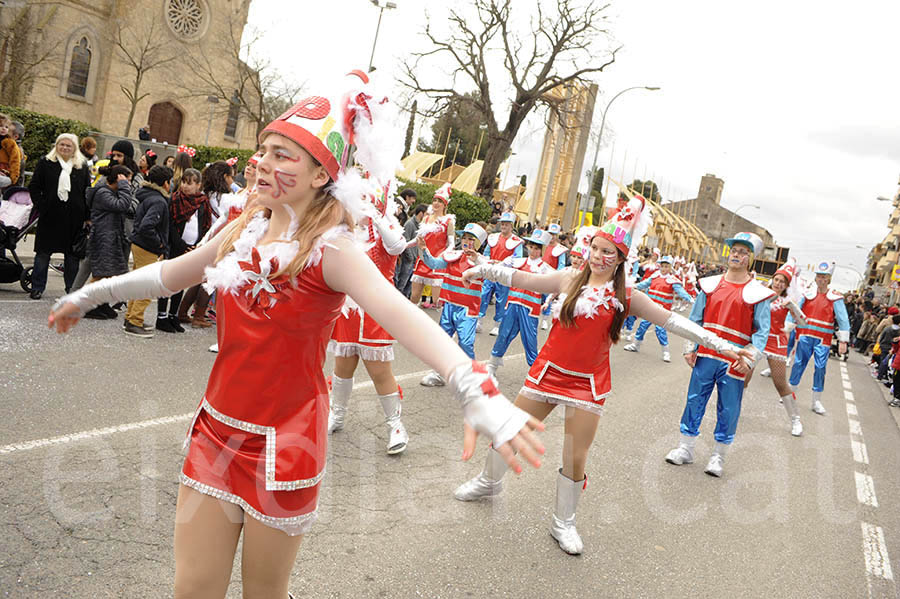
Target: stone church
<point x="83" y="77"/>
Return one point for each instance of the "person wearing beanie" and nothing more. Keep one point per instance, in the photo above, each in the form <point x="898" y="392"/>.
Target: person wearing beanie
<point x="736" y="307"/>
<point x="257" y="445"/>
<point x="821" y="307"/>
<point x="592" y="304"/>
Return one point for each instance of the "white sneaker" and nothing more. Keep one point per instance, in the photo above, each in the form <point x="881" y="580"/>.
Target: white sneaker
<point x="818" y="408"/>
<point x="544" y="325"/>
<point x="432" y="379"/>
<point x="214" y="348"/>
<point x="680" y="455"/>
<point x="714" y="466"/>
<point x="631" y="347"/>
<point x="767" y="373"/>
<point x="796" y="426"/>
<point x="494" y="332"/>
<point x="478" y="326"/>
<point x="666" y="357"/>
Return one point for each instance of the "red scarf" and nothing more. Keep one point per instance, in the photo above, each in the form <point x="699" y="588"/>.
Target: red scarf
<point x="183" y="206"/>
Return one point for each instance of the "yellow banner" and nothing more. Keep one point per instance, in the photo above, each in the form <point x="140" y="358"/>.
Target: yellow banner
<point x="895" y="273"/>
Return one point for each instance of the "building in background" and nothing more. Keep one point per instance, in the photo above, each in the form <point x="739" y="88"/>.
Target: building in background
<point x="83" y="73"/>
<point x="884" y="257"/>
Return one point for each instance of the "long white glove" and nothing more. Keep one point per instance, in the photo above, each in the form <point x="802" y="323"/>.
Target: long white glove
<point x="138" y="284"/>
<point x="492" y="272"/>
<point x="484" y="407"/>
<point x="695" y="334"/>
<point x="391" y="234"/>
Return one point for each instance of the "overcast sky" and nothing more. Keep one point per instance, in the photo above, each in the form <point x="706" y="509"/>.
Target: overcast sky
<point x="793" y="104"/>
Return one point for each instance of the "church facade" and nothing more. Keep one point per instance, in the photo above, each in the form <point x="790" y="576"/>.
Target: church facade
<point x="84" y="78"/>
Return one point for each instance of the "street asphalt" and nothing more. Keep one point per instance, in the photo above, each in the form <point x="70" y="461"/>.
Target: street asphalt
<point x="92" y="424"/>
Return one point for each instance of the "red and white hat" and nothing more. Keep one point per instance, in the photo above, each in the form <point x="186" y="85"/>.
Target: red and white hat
<point x="627" y="227"/>
<point x="791" y="271"/>
<point x="443" y="193"/>
<point x="254" y="160"/>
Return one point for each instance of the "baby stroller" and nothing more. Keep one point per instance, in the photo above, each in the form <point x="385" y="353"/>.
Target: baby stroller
<point x="17" y="218"/>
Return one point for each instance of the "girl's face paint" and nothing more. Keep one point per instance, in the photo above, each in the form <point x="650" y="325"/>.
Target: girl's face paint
<point x="283" y="182"/>
<point x="282" y="171"/>
<point x="467" y="242"/>
<point x="604" y="255"/>
<point x="577" y="261"/>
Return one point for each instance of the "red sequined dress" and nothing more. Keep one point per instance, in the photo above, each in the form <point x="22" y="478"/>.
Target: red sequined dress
<point x="437" y="237"/>
<point x="259" y="436"/>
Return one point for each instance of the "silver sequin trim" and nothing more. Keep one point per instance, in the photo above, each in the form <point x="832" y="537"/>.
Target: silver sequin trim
<point x="269" y="432"/>
<point x="545" y="397"/>
<point x="772" y="356"/>
<point x="293" y="526"/>
<point x="427" y="281"/>
<point x="371" y="354"/>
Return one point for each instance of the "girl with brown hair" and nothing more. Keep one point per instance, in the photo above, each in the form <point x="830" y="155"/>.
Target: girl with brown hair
<point x="589" y="313"/>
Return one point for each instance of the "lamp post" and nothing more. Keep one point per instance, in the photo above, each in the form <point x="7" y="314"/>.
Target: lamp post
<point x="378" y="27"/>
<point x="213" y="100"/>
<point x="600" y="134"/>
<point x="733" y="214"/>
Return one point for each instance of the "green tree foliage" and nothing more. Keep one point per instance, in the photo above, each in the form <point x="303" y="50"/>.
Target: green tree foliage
<point x="463" y="123"/>
<point x="647" y="188"/>
<point x="209" y="154"/>
<point x="410" y="128"/>
<point x="466" y="207"/>
<point x="41" y="131"/>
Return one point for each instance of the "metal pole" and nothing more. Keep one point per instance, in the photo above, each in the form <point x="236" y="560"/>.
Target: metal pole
<point x="375" y="41"/>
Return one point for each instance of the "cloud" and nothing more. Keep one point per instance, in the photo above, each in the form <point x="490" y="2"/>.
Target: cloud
<point x="866" y="141"/>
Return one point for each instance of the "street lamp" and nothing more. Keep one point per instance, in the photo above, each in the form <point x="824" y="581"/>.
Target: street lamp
<point x="378" y="27"/>
<point x="884" y="199"/>
<point x="602" y="125"/>
<point x="734" y="213"/>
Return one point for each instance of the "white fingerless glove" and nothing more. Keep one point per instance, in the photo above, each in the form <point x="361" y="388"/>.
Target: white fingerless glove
<point x="493" y="272"/>
<point x="391" y="234"/>
<point x="138" y="284"/>
<point x="693" y="332"/>
<point x="484" y="408"/>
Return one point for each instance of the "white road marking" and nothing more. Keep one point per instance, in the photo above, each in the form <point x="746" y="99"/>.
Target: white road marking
<point x="855" y="428"/>
<point x="865" y="489"/>
<point x="860" y="455"/>
<point x="846" y="384"/>
<point x="844" y="375"/>
<point x="123" y="428"/>
<point x="848" y="395"/>
<point x="875" y="549"/>
<point x="851" y="410"/>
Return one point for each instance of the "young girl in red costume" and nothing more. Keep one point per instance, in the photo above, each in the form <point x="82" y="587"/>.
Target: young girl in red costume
<point x="785" y="284"/>
<point x="257" y="444"/>
<point x="592" y="304"/>
<point x="356" y="334"/>
<point x="438" y="230"/>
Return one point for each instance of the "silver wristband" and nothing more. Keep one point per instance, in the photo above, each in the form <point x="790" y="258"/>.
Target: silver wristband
<point x="138" y="284"/>
<point x="484" y="408"/>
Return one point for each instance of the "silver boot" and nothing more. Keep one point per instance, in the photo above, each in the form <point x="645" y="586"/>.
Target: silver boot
<point x="432" y="379"/>
<point x="562" y="527"/>
<point x="666" y="356"/>
<point x="397" y="436"/>
<point x="790" y="406"/>
<point x="340" y="399"/>
<point x="487" y="484"/>
<point x="493" y="364"/>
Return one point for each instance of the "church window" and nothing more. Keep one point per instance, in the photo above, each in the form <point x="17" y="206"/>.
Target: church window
<point x="234" y="110"/>
<point x="186" y="18"/>
<point x="80" y="68"/>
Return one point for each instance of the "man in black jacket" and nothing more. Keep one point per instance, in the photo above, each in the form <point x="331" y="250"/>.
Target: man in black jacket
<point x="149" y="238"/>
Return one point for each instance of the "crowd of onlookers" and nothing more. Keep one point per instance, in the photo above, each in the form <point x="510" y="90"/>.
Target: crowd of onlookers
<point x="875" y="332"/>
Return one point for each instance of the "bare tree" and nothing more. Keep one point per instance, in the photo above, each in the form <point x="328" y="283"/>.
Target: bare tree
<point x="24" y="50"/>
<point x="252" y="84"/>
<point x="143" y="46"/>
<point x="560" y="50"/>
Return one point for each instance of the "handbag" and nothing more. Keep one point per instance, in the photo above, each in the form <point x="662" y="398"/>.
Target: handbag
<point x="80" y="244"/>
<point x="876" y="351"/>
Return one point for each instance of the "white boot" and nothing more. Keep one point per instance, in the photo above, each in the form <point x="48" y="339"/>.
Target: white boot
<point x="716" y="460"/>
<point x="493" y="364"/>
<point x="432" y="379"/>
<point x="487" y="484"/>
<point x="397" y="437"/>
<point x="666" y="357"/>
<point x="817" y="406"/>
<point x="562" y="527"/>
<point x="634" y="346"/>
<point x="495" y="331"/>
<point x="340" y="398"/>
<point x="790" y="407"/>
<point x="684" y="453"/>
<point x="767" y="372"/>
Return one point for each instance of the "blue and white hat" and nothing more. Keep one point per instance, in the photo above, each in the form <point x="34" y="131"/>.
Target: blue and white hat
<point x="666" y="259"/>
<point x="476" y="230"/>
<point x="539" y="237"/>
<point x="824" y="268"/>
<point x="751" y="240"/>
<point x="507" y="217"/>
<point x="554" y="228"/>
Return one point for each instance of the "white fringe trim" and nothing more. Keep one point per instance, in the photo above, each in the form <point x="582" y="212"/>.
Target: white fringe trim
<point x="589" y="301"/>
<point x="369" y="354"/>
<point x="777" y="357"/>
<point x="553" y="398"/>
<point x="425" y="281"/>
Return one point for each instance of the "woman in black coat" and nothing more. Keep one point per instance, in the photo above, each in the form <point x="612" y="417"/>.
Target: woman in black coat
<point x="57" y="190"/>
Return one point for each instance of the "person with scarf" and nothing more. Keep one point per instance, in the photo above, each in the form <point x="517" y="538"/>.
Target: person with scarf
<point x="57" y="190"/>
